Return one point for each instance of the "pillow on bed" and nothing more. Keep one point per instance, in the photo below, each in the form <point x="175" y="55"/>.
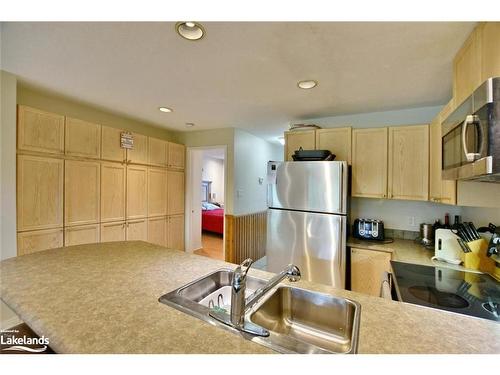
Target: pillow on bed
<point x="208" y="206"/>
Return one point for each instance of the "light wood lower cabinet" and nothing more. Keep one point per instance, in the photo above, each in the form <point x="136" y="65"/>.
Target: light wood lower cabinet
<point x="294" y="140"/>
<point x="80" y="235"/>
<point x="113" y="231"/>
<point x="113" y="183"/>
<point x="137" y="192"/>
<point x="367" y="269"/>
<point x="33" y="241"/>
<point x="175" y="193"/>
<point x="157" y="231"/>
<point x="369" y="163"/>
<point x="137" y="230"/>
<point x="82" y="138"/>
<point x="408" y="175"/>
<point x="39" y="192"/>
<point x="175" y="232"/>
<point x="82" y="192"/>
<point x="39" y="131"/>
<point x="157" y="192"/>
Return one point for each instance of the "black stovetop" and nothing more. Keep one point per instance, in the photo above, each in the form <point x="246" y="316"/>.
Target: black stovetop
<point x="443" y="288"/>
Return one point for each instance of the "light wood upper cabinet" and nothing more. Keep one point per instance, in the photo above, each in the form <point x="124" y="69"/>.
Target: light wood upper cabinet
<point x="337" y="141"/>
<point x="137" y="191"/>
<point x="176" y="155"/>
<point x="111" y="145"/>
<point x="137" y="230"/>
<point x="39" y="192"/>
<point x="82" y="192"/>
<point x="82" y="138"/>
<point x="477" y="60"/>
<point x="175" y="232"/>
<point x="157" y="154"/>
<point x="490" y="48"/>
<point x="80" y="235"/>
<point x="442" y="191"/>
<point x="40" y="131"/>
<point x="157" y="231"/>
<point x="175" y="192"/>
<point x="113" y="180"/>
<point x="38" y="240"/>
<point x="139" y="154"/>
<point x="113" y="231"/>
<point x="467" y="67"/>
<point x="157" y="192"/>
<point x="408" y="175"/>
<point x="294" y="140"/>
<point x="367" y="270"/>
<point x="369" y="163"/>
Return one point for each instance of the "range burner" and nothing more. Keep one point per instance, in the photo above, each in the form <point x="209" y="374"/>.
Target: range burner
<point x="448" y="289"/>
<point x="432" y="295"/>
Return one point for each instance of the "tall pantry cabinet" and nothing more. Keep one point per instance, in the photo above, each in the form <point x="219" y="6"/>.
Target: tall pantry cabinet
<point x="76" y="185"/>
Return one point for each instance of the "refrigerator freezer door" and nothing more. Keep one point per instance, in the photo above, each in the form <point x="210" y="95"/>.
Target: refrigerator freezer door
<point x="316" y="186"/>
<point x="314" y="242"/>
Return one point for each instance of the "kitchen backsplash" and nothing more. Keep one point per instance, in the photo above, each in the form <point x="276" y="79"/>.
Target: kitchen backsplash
<point x="400" y="234"/>
<point x="407" y="216"/>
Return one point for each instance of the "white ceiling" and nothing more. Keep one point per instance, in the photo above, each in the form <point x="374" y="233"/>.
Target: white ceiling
<point x="241" y="74"/>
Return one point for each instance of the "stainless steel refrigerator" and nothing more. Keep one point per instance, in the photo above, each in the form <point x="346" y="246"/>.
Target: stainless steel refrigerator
<point x="306" y="219"/>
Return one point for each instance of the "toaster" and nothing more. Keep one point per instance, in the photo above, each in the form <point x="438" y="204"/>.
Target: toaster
<point x="368" y="229"/>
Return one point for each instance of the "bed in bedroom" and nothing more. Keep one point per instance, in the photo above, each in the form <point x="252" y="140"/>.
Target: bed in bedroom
<point x="212" y="218"/>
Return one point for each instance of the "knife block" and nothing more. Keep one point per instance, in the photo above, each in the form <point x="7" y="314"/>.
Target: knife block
<point x="477" y="259"/>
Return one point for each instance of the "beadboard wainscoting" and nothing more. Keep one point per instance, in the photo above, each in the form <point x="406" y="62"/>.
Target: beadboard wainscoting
<point x="245" y="236"/>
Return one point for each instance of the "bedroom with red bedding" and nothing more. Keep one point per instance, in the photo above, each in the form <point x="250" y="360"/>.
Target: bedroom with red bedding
<point x="213" y="220"/>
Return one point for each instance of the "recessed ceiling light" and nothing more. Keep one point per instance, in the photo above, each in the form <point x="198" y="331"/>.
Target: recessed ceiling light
<point x="307" y="84"/>
<point x="190" y="30"/>
<point x="189" y="124"/>
<point x="165" y="109"/>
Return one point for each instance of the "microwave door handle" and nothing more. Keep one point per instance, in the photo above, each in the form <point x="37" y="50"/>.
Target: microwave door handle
<point x="480" y="136"/>
<point x="470" y="156"/>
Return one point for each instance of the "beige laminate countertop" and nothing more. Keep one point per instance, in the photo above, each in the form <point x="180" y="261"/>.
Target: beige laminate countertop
<point x="103" y="298"/>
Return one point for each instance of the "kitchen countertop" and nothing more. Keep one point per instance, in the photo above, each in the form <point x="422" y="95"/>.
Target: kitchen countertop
<point x="103" y="298"/>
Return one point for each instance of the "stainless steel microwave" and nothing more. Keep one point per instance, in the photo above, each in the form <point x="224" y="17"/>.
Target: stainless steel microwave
<point x="471" y="136"/>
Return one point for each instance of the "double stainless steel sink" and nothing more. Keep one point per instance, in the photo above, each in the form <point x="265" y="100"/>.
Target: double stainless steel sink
<point x="298" y="320"/>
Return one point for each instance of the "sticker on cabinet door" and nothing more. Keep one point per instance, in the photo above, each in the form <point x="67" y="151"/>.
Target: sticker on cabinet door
<point x="126" y="140"/>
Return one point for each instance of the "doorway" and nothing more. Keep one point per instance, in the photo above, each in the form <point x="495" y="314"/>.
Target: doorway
<point x="205" y="200"/>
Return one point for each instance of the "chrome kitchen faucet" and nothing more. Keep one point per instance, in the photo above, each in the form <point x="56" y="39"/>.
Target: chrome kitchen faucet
<point x="239" y="305"/>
